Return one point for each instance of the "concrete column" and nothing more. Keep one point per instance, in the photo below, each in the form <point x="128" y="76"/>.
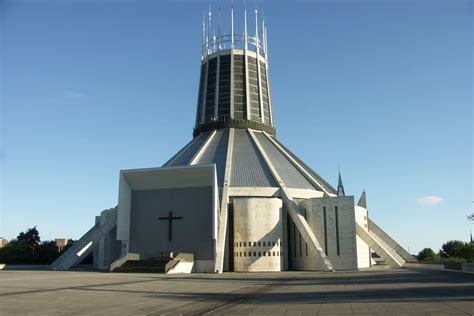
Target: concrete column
<point x="258" y="233"/>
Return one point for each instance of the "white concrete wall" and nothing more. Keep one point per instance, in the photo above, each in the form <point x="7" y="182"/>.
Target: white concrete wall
<point x="363" y="250"/>
<point x="258" y="234"/>
<point x="346" y="259"/>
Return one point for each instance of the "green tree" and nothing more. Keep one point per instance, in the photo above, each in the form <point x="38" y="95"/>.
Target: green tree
<point x="427" y="254"/>
<point x="452" y="249"/>
<point x="467" y="252"/>
<point x="17" y="252"/>
<point x="30" y="237"/>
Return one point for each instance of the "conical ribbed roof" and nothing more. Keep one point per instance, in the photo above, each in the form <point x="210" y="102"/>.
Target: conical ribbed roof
<point x="248" y="168"/>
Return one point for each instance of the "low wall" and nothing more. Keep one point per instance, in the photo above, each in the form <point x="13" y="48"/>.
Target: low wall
<point x="468" y="267"/>
<point x="4" y="266"/>
<point x="464" y="267"/>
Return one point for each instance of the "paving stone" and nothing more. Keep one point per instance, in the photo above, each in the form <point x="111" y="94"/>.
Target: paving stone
<point x="373" y="292"/>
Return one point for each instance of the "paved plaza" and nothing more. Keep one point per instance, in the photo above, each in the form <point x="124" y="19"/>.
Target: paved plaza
<point x="374" y="292"/>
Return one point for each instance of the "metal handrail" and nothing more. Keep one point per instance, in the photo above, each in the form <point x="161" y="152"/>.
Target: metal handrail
<point x="224" y="42"/>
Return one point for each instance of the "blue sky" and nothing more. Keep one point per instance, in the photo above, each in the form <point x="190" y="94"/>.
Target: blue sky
<point x="381" y="88"/>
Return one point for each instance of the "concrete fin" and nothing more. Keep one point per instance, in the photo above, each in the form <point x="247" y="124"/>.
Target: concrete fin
<point x="382" y="249"/>
<point x="381" y="234"/>
<point x="84" y="246"/>
<point x="223" y="212"/>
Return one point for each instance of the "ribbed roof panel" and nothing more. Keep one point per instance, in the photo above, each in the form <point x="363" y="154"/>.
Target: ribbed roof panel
<point x="216" y="152"/>
<point x="248" y="166"/>
<point x="186" y="156"/>
<point x="313" y="173"/>
<point x="291" y="176"/>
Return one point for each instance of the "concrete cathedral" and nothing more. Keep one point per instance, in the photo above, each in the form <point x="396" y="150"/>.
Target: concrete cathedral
<point x="234" y="198"/>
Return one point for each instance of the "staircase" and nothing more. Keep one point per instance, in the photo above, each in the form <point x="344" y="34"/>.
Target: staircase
<point x="84" y="246"/>
<point x="171" y="263"/>
<point x="152" y="265"/>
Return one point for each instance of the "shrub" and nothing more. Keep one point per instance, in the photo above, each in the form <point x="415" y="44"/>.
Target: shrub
<point x="451" y="260"/>
<point x="427" y="254"/>
<point x="467" y="252"/>
<point x="452" y="248"/>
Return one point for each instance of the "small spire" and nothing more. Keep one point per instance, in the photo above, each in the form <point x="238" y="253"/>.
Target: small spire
<point x="219" y="30"/>
<point x="245" y="26"/>
<point x="209" y="30"/>
<point x="256" y="26"/>
<point x="266" y="42"/>
<point x="214" y="40"/>
<point x="362" y="200"/>
<point x="340" y="186"/>
<point x="203" y="46"/>
<point x="263" y="33"/>
<point x="232" y="24"/>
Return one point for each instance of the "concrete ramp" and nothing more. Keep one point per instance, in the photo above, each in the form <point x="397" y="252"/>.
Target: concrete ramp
<point x="377" y="231"/>
<point x="84" y="246"/>
<point x="381" y="248"/>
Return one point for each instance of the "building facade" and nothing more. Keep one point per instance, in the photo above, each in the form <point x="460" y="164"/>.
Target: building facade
<point x="235" y="198"/>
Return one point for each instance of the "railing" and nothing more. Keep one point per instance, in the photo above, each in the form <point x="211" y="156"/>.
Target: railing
<point x="223" y="42"/>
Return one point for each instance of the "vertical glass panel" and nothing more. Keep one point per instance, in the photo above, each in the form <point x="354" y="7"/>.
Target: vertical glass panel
<point x="223" y="110"/>
<point x="201" y="94"/>
<point x="253" y="89"/>
<point x="240" y="104"/>
<point x="211" y="90"/>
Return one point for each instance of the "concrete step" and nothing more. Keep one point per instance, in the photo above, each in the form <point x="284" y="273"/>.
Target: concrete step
<point x="146" y="263"/>
<point x="140" y="269"/>
<point x="156" y="265"/>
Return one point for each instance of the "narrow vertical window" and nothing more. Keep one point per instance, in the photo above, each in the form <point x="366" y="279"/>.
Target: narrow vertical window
<point x="325" y="232"/>
<point x="301" y="248"/>
<point x="337" y="229"/>
<point x="294" y="240"/>
<point x="306" y="244"/>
